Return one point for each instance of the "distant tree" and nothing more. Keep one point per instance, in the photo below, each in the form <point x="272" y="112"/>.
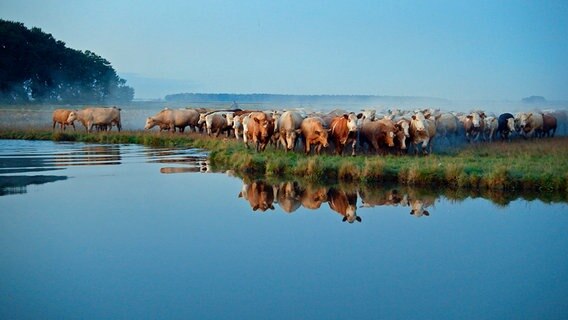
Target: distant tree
<point x="34" y="67"/>
<point x="534" y="99"/>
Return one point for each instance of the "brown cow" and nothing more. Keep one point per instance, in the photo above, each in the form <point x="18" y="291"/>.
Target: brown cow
<point x="377" y="133"/>
<point x="313" y="133"/>
<point x="259" y="194"/>
<point x="61" y="116"/>
<point x="549" y="125"/>
<point x="258" y="127"/>
<point x="343" y="131"/>
<point x="344" y="203"/>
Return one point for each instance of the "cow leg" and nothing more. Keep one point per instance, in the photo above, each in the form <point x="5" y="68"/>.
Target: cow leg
<point x="353" y="146"/>
<point x="425" y="146"/>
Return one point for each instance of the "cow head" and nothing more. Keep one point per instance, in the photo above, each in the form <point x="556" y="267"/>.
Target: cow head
<point x="400" y="137"/>
<point x="150" y="123"/>
<point x="525" y="120"/>
<point x="475" y="119"/>
<point x="404" y="125"/>
<point x="418" y="123"/>
<point x="511" y="124"/>
<point x="352" y="121"/>
<point x="321" y="137"/>
<point x="202" y="118"/>
<point x="72" y="116"/>
<point x="291" y="138"/>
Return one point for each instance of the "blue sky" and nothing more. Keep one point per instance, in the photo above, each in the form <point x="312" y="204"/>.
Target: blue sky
<point x="486" y="50"/>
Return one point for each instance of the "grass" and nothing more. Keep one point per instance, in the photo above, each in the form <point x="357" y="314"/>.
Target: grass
<point x="535" y="165"/>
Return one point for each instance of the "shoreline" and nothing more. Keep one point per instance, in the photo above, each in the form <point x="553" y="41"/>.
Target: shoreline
<point x="522" y="165"/>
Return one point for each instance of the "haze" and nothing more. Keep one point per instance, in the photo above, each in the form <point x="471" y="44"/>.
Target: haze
<point x="494" y="50"/>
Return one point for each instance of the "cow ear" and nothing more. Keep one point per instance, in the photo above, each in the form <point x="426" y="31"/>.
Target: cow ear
<point x="426" y="213"/>
<point x="359" y="116"/>
<point x="346" y="116"/>
<point x="344" y="219"/>
<point x="358" y="218"/>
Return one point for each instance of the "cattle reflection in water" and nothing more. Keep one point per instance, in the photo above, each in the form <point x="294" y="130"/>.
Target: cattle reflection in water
<point x="291" y="196"/>
<point x="418" y="202"/>
<point x="259" y="194"/>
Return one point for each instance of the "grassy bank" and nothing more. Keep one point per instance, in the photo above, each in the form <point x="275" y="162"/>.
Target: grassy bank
<point x="538" y="165"/>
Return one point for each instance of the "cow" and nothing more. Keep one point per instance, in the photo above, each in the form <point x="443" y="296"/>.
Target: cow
<point x="505" y="125"/>
<point x="259" y="128"/>
<point x="313" y="133"/>
<point x="447" y="125"/>
<point x="216" y="122"/>
<point x="530" y="124"/>
<point x="474" y="125"/>
<point x="61" y="116"/>
<point x="377" y="134"/>
<point x="549" y="125"/>
<point x="344" y="203"/>
<point x="422" y="132"/>
<point x="259" y="194"/>
<point x="288" y="127"/>
<point x="96" y="116"/>
<point x="490" y="128"/>
<point x="343" y="130"/>
<point x="561" y="119"/>
<point x="238" y="126"/>
<point x="170" y="119"/>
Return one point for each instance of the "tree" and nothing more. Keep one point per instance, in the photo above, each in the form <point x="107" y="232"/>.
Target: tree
<point x="36" y="68"/>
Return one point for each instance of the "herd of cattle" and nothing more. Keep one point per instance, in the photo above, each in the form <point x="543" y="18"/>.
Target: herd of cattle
<point x="392" y="131"/>
<point x="290" y="196"/>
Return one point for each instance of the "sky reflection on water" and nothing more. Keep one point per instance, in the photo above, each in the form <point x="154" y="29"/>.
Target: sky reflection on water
<point x="127" y="240"/>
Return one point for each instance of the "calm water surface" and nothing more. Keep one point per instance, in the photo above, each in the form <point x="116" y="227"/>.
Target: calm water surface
<point x="124" y="231"/>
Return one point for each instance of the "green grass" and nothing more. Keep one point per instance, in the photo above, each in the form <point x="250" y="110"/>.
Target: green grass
<point x="537" y="165"/>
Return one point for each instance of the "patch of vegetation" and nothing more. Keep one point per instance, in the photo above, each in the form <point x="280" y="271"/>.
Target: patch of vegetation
<point x="538" y="165"/>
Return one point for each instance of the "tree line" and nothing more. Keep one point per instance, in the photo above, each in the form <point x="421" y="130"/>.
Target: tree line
<point x="37" y="68"/>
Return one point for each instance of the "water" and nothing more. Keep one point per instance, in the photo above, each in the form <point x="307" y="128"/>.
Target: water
<point x="124" y="231"/>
